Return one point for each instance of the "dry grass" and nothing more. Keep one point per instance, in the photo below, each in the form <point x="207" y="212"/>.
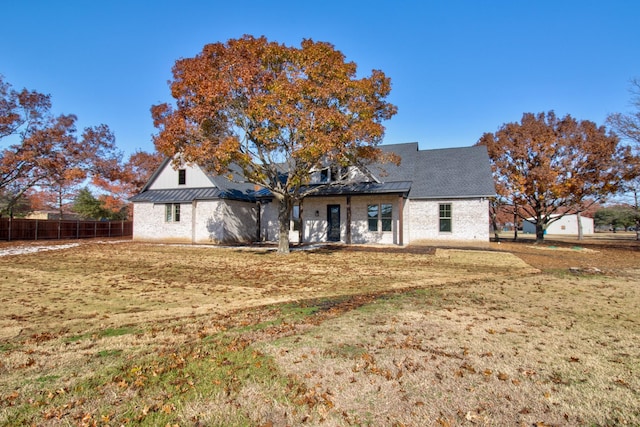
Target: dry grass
<point x="153" y="335"/>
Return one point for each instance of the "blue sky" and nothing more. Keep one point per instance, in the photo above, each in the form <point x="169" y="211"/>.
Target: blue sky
<point x="458" y="68"/>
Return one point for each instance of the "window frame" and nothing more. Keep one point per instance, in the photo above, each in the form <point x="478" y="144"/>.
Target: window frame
<point x="371" y="219"/>
<point x="445" y="218"/>
<point x="325" y="175"/>
<point x="172" y="212"/>
<point x="182" y="177"/>
<point x="383" y="218"/>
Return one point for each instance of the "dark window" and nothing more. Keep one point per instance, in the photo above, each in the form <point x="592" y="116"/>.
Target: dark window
<point x="385" y="216"/>
<point x="295" y="218"/>
<point x="182" y="176"/>
<point x="380" y="217"/>
<point x="172" y="212"/>
<point x="324" y="175"/>
<point x="372" y="217"/>
<point x="445" y="217"/>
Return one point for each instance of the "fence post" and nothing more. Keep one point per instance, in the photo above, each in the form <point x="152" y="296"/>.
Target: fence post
<point x="109" y="228"/>
<point x="77" y="229"/>
<point x="36" y="232"/>
<point x="9" y="230"/>
<point x="95" y="229"/>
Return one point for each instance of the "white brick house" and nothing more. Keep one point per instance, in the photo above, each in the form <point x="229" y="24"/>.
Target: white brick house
<point x="432" y="195"/>
<point x="186" y="205"/>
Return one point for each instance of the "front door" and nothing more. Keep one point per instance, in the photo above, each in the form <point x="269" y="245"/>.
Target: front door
<point x="333" y="220"/>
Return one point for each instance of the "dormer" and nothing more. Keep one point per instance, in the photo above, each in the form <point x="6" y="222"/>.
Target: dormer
<point x="332" y="174"/>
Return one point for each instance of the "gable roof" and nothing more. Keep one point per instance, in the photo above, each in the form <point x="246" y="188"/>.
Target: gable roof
<point x="439" y="173"/>
<point x="447" y="173"/>
<point x="222" y="188"/>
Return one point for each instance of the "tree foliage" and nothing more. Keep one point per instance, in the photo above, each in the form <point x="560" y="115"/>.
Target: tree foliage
<point x="615" y="217"/>
<point x="127" y="181"/>
<point x="44" y="150"/>
<point x="87" y="206"/>
<point x="545" y="165"/>
<point x="276" y="112"/>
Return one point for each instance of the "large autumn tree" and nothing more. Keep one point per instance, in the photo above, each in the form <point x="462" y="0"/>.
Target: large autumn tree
<point x="276" y="112"/>
<point x="45" y="150"/>
<point x="547" y="166"/>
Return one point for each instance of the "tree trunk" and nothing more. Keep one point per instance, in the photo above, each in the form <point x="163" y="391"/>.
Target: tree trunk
<point x="284" y="215"/>
<point x="60" y="211"/>
<point x="580" y="231"/>
<point x="540" y="232"/>
<point x="494" y="219"/>
<point x="635" y="197"/>
<point x="515" y="223"/>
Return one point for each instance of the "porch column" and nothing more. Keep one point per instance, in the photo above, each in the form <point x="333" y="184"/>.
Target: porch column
<point x="300" y="223"/>
<point x="194" y="221"/>
<point x="400" y="220"/>
<point x="348" y="240"/>
<point x="258" y="220"/>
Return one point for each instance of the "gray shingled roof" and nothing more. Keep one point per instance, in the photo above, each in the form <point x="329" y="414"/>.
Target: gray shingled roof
<point x="422" y="174"/>
<point x="440" y="173"/>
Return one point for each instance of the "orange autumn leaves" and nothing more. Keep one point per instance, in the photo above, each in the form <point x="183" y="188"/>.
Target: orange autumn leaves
<point x="46" y="159"/>
<point x="546" y="165"/>
<point x="260" y="104"/>
<point x="277" y="112"/>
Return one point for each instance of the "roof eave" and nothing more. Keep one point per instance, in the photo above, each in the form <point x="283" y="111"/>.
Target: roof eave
<point x="445" y="197"/>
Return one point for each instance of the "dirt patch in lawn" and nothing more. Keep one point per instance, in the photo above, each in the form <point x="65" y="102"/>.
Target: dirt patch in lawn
<point x="611" y="255"/>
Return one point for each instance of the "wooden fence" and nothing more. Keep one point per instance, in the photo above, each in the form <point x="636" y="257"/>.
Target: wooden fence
<point x="40" y="229"/>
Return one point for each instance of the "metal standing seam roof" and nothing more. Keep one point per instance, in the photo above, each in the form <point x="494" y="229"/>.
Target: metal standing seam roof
<point x="361" y="188"/>
<point x="187" y="195"/>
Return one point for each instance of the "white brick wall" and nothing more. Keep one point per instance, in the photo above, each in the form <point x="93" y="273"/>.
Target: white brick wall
<point x="215" y="221"/>
<point x="228" y="221"/>
<point x="315" y="227"/>
<point x="470" y="220"/>
<point x="224" y="221"/>
<point x="149" y="223"/>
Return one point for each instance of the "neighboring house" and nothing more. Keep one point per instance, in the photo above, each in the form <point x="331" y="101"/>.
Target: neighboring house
<point x="432" y="195"/>
<point x="567" y="225"/>
<point x="52" y="215"/>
